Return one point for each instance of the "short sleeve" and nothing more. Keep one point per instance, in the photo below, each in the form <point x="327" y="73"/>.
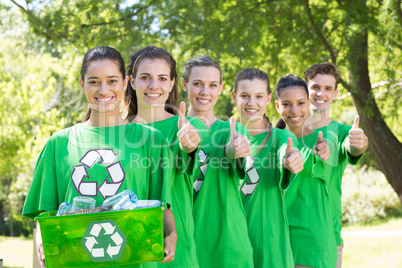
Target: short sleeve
<point x="42" y="194"/>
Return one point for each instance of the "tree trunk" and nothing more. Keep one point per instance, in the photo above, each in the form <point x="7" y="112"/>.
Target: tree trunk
<point x="385" y="147"/>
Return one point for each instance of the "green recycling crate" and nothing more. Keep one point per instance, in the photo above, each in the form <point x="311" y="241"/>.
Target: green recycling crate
<point x="102" y="239"/>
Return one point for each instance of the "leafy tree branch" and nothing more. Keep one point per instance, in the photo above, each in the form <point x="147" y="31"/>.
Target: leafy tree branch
<point x="322" y="38"/>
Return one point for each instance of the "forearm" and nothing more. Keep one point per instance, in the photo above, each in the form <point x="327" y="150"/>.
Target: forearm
<point x="39" y="246"/>
<point x="169" y="223"/>
<point x="170" y="235"/>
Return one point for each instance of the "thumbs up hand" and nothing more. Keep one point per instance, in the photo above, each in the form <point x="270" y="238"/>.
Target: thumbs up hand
<point x="321" y="148"/>
<point x="289" y="147"/>
<point x="238" y="145"/>
<point x="189" y="139"/>
<point x="293" y="160"/>
<point x="357" y="139"/>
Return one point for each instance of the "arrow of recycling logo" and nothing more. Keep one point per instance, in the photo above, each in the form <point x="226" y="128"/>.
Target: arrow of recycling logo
<point x="252" y="175"/>
<point x="203" y="160"/>
<point x="90" y="188"/>
<point x="103" y="240"/>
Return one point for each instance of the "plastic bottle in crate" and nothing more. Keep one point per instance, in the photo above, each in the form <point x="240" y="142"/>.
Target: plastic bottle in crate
<point x="121" y="201"/>
<point x="64" y="208"/>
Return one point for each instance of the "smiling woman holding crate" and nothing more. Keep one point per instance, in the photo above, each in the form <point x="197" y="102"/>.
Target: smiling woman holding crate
<point x="103" y="155"/>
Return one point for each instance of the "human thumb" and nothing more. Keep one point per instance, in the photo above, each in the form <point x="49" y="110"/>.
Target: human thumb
<point x="356" y="122"/>
<point x="232" y="129"/>
<point x="319" y="139"/>
<point x="182" y="114"/>
<point x="289" y="147"/>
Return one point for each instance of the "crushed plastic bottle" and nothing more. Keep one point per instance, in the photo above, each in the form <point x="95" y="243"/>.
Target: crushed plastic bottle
<point x="64" y="208"/>
<point x="121" y="201"/>
<point x="124" y="200"/>
<point x="148" y="203"/>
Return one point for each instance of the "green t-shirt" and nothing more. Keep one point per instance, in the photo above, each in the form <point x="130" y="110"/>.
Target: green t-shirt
<point x="220" y="223"/>
<point x="100" y="162"/>
<point x="307" y="202"/>
<point x="264" y="200"/>
<point x="335" y="189"/>
<point x="182" y="191"/>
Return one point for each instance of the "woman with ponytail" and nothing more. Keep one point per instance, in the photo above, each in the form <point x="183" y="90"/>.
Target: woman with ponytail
<point x="151" y="99"/>
<point x="220" y="223"/>
<point x="311" y="231"/>
<point x="78" y="161"/>
<point x="275" y="160"/>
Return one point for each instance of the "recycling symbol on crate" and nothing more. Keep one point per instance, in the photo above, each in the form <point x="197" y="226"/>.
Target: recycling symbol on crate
<point x="114" y="169"/>
<point x="103" y="240"/>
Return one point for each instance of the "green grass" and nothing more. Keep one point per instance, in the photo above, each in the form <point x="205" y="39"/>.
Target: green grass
<point x="366" y="251"/>
<point x="359" y="251"/>
<point x="372" y="252"/>
<point x="16" y="251"/>
<point x="389" y="223"/>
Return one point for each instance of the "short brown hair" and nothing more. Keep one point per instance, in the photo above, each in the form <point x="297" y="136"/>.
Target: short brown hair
<point x="323" y="68"/>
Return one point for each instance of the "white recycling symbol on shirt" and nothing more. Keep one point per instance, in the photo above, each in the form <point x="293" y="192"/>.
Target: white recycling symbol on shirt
<point x="203" y="160"/>
<point x="90" y="188"/>
<point x="253" y="175"/>
<point x="103" y="240"/>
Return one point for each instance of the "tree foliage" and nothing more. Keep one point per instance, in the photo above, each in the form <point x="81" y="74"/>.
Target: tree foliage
<point x="42" y="43"/>
<point x="362" y="37"/>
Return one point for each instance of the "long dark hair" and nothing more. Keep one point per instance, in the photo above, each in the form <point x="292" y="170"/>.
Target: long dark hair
<point x="130" y="98"/>
<point x="101" y="53"/>
<point x="251" y="74"/>
<point x="289" y="80"/>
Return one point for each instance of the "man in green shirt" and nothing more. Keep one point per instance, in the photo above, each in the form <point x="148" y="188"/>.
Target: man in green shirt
<point x="322" y="80"/>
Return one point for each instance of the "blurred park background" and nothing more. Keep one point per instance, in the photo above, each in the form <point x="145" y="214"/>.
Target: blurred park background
<point x="42" y="43"/>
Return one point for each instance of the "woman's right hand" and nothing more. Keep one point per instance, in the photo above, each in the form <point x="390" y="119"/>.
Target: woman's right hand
<point x="238" y="146"/>
<point x="321" y="148"/>
<point x="293" y="160"/>
<point x="39" y="247"/>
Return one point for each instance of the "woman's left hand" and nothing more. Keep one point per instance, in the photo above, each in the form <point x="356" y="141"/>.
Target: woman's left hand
<point x="170" y="247"/>
<point x="170" y="235"/>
